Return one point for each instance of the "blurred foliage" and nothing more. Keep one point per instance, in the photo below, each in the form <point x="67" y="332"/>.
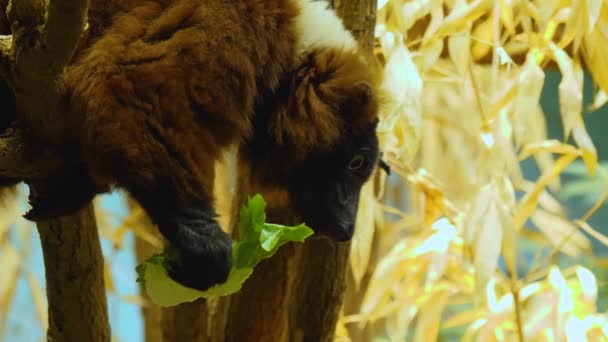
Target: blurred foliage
<point x="469" y="249"/>
<point x="457" y="244"/>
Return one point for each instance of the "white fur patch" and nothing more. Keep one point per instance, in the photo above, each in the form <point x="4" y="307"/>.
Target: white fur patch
<point x="318" y="26"/>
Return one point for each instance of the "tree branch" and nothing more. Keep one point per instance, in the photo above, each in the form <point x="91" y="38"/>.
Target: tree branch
<point x="21" y="159"/>
<point x="74" y="278"/>
<point x="42" y="50"/>
<point x="64" y="26"/>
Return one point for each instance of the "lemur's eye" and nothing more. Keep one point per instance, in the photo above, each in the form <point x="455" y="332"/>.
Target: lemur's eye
<point x="356" y="163"/>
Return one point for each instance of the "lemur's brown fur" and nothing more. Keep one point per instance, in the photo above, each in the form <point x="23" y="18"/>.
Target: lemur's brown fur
<point x="166" y="89"/>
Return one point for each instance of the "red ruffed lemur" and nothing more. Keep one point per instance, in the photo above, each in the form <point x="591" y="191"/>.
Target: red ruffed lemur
<point x="169" y="85"/>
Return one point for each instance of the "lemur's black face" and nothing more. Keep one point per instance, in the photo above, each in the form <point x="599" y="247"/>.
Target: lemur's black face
<point x="325" y="191"/>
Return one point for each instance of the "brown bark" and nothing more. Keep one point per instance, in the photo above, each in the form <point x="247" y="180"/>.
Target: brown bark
<point x="74" y="278"/>
<point x="185" y="322"/>
<point x="320" y="290"/>
<point x="359" y="17"/>
<point x="261" y="310"/>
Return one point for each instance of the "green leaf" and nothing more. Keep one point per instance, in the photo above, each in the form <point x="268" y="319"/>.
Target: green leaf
<point x="257" y="240"/>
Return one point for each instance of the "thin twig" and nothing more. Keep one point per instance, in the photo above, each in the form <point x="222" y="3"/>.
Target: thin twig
<point x="598" y="204"/>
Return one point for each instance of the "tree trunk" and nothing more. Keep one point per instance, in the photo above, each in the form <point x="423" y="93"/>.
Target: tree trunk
<point x="359" y="17"/>
<point x="74" y="278"/>
<point x="186" y="322"/>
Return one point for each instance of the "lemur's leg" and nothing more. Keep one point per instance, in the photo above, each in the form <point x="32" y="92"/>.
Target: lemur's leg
<point x="171" y="178"/>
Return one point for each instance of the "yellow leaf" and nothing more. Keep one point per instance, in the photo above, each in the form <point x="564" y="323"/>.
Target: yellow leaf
<point x="553" y="146"/>
<point x="397" y="327"/>
<point x="139" y="224"/>
<point x="570" y="89"/>
<point x="508" y="94"/>
<point x="537" y="131"/>
<point x="546" y="9"/>
<point x="459" y="47"/>
<point x="460" y="16"/>
<point x="530" y="85"/>
<point x="430" y="53"/>
<point x="506" y="15"/>
<point x="597" y="235"/>
<point x="595" y="50"/>
<point x="562" y="233"/>
<point x="599" y="101"/>
<point x="482" y="39"/>
<point x="383" y="277"/>
<point x="388" y="42"/>
<point x="583" y="140"/>
<point x="39" y="299"/>
<point x="462" y="318"/>
<point x="361" y="245"/>
<point x="577" y="20"/>
<point x="429" y="317"/>
<point x="107" y="278"/>
<point x="476" y="213"/>
<point x="10" y="260"/>
<point x="528" y="203"/>
<point x="488" y="247"/>
<point x="594" y="8"/>
<point x="410" y="12"/>
<point x="436" y="19"/>
<point x="135" y="299"/>
<point x="401" y="118"/>
<point x="509" y="244"/>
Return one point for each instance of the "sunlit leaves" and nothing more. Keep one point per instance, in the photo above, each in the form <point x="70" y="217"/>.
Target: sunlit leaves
<point x="472" y="140"/>
<point x="8" y="282"/>
<point x="487" y="222"/>
<point x="39" y="298"/>
<point x="561" y="232"/>
<point x="400" y="128"/>
<point x="530" y="200"/>
<point x="529" y="87"/>
<point x="595" y="49"/>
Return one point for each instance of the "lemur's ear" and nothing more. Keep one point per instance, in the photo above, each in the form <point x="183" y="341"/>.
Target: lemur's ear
<point x="364" y="90"/>
<point x="361" y="94"/>
<point x="331" y="90"/>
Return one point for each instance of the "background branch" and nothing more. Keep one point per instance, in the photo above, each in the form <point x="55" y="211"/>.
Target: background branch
<point x="21" y="159"/>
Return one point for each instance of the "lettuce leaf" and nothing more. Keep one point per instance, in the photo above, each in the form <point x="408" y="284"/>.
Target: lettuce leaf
<point x="258" y="240"/>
